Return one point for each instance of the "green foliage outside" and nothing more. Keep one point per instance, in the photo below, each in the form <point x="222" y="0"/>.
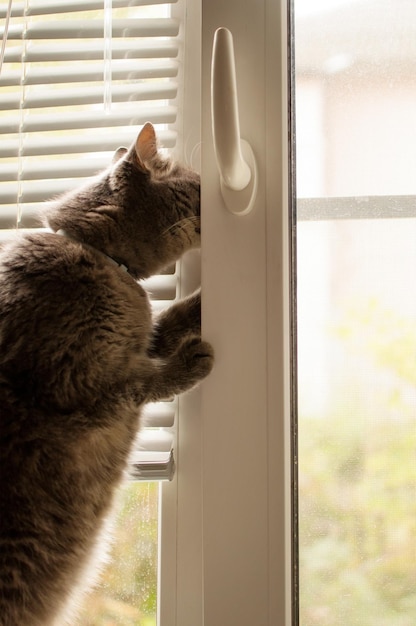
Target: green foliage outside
<point x="357" y="480"/>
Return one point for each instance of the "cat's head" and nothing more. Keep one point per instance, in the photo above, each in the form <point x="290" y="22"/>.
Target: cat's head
<point x="144" y="210"/>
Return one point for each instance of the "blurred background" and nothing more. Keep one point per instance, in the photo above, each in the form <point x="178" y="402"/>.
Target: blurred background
<point x="355" y="64"/>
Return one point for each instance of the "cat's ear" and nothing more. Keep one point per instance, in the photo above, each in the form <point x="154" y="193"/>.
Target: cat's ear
<point x="146" y="144"/>
<point x="120" y="152"/>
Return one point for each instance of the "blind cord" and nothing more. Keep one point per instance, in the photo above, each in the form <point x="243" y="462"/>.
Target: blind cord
<point x="5" y="34"/>
<point x="108" y="17"/>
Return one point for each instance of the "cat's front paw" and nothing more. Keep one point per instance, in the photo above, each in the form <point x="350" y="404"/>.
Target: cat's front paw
<point x="180" y="320"/>
<point x="187" y="366"/>
<point x="196" y="358"/>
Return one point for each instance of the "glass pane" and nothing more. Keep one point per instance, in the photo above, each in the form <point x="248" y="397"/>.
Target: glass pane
<point x="355" y="97"/>
<point x="357" y="422"/>
<point x="127" y="592"/>
<point x="355" y="137"/>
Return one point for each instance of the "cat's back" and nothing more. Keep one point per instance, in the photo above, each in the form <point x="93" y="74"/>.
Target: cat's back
<point x="69" y="320"/>
<point x="72" y="329"/>
<point x="54" y="273"/>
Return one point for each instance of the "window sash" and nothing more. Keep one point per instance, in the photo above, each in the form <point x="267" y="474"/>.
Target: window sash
<point x="357" y="207"/>
<point x="231" y="528"/>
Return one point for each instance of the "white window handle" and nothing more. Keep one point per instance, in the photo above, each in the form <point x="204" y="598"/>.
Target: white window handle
<point x="235" y="157"/>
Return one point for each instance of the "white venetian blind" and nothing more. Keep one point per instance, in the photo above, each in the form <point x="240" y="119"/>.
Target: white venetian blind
<point x="78" y="80"/>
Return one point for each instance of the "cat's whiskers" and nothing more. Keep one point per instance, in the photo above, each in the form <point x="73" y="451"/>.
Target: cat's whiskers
<point x="192" y="218"/>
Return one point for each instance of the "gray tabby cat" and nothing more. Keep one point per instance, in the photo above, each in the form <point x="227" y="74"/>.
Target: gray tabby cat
<point x="79" y="356"/>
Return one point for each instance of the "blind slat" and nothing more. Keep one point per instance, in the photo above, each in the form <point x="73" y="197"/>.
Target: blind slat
<point x="131" y="70"/>
<point x="65" y="168"/>
<point x="34" y="191"/>
<point x="132" y="116"/>
<point x="60" y="6"/>
<point x="38" y="145"/>
<point x="61" y="169"/>
<point x="161" y="287"/>
<point x="91" y="95"/>
<point x="154" y="466"/>
<point x="93" y="29"/>
<point x="159" y="414"/>
<point x="153" y="457"/>
<point x="35" y="51"/>
<point x="30" y="218"/>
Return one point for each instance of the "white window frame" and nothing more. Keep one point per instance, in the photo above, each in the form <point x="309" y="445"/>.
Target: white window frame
<point x="227" y="527"/>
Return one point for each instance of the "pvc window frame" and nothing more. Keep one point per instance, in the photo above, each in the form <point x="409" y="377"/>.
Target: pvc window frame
<point x="227" y="531"/>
